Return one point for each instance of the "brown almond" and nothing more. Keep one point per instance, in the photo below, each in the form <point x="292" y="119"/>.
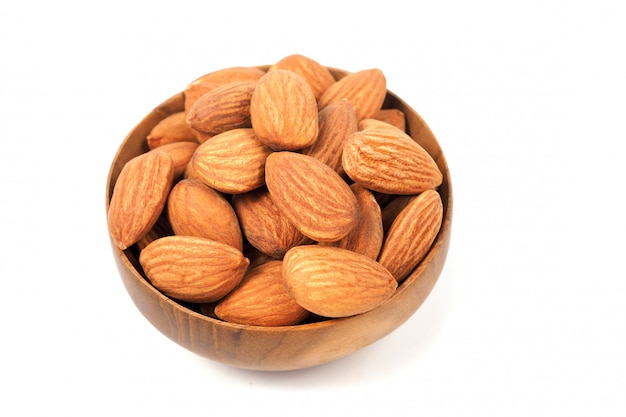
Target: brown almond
<point x="412" y="234"/>
<point x="263" y="225"/>
<point x="224" y="108"/>
<point x="336" y="282"/>
<point x="232" y="162"/>
<point x="261" y="300"/>
<point x="337" y="122"/>
<point x="193" y="269"/>
<point x="181" y="153"/>
<point x="389" y="161"/>
<point x="367" y="237"/>
<point x="311" y="195"/>
<point x="283" y="111"/>
<point x="318" y="76"/>
<point x="195" y="209"/>
<point x="172" y="128"/>
<point x="394" y="117"/>
<point x="139" y="196"/>
<point x="365" y="90"/>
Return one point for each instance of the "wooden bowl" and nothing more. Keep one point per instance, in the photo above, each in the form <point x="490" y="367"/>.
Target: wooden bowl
<point x="288" y="347"/>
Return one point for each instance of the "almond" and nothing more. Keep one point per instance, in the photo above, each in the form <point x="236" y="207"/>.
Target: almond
<point x="194" y="209"/>
<point x="261" y="300"/>
<point x="311" y="195"/>
<point x="316" y="75"/>
<point x="232" y="162"/>
<point x="337" y="122"/>
<point x="223" y="108"/>
<point x="263" y="224"/>
<point x="335" y="282"/>
<point x="367" y="237"/>
<point x="283" y="111"/>
<point x="365" y="90"/>
<point x="389" y="161"/>
<point x="139" y="196"/>
<point x="171" y="129"/>
<point x="193" y="269"/>
<point x="181" y="153"/>
<point x="412" y="234"/>
<point x="196" y="90"/>
<point x="394" y="117"/>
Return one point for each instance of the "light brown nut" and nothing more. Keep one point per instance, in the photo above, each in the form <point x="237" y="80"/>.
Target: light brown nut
<point x="412" y="234"/>
<point x="193" y="269"/>
<point x="394" y="117"/>
<point x="367" y="237"/>
<point x="195" y="90"/>
<point x="224" y="108"/>
<point x="335" y="282"/>
<point x="311" y="195"/>
<point x="195" y="209"/>
<point x="232" y="162"/>
<point x="337" y="122"/>
<point x="365" y="90"/>
<point x="263" y="225"/>
<point x="171" y="129"/>
<point x="318" y="76"/>
<point x="283" y="111"/>
<point x="181" y="153"/>
<point x="389" y="161"/>
<point x="139" y="196"/>
<point x="261" y="300"/>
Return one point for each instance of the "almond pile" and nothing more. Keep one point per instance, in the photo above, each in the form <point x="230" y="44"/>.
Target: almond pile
<point x="279" y="195"/>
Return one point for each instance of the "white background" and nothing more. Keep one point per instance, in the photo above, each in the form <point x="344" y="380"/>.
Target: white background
<point x="528" y="100"/>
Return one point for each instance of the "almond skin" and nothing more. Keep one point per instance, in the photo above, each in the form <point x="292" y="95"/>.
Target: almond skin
<point x="263" y="224"/>
<point x="335" y="282"/>
<point x="169" y="130"/>
<point x="283" y="111"/>
<point x="337" y="122"/>
<point x="389" y="161"/>
<point x="195" y="209"/>
<point x="365" y="90"/>
<point x="139" y="197"/>
<point x="261" y="300"/>
<point x="193" y="269"/>
<point x="232" y="162"/>
<point x="181" y="153"/>
<point x="367" y="237"/>
<point x="412" y="234"/>
<point x="223" y="108"/>
<point x="311" y="195"/>
<point x="394" y="117"/>
<point x="315" y="74"/>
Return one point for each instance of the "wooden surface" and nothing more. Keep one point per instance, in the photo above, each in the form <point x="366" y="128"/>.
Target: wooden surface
<point x="292" y="347"/>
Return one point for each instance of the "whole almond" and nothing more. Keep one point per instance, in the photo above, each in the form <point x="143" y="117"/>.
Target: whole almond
<point x="367" y="237"/>
<point x="311" y="195"/>
<point x="181" y="153"/>
<point x="394" y="117"/>
<point x="263" y="224"/>
<point x="337" y="122"/>
<point x="389" y="161"/>
<point x="195" y="209"/>
<point x="261" y="300"/>
<point x="412" y="234"/>
<point x="139" y="196"/>
<point x="316" y="75"/>
<point x="172" y="128"/>
<point x="365" y="90"/>
<point x="335" y="282"/>
<point x="232" y="162"/>
<point x="196" y="90"/>
<point x="193" y="269"/>
<point x="283" y="111"/>
<point x="223" y="108"/>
